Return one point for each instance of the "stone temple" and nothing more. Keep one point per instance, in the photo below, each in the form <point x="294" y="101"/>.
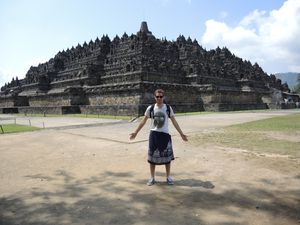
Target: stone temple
<point x="119" y="76"/>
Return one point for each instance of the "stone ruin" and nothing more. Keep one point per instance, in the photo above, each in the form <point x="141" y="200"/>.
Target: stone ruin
<point x="119" y="76"/>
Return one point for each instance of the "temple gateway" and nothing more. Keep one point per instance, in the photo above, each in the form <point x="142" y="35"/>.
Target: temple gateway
<point x="119" y="76"/>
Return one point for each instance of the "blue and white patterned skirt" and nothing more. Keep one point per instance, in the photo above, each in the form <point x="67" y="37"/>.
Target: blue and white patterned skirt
<point x="160" y="148"/>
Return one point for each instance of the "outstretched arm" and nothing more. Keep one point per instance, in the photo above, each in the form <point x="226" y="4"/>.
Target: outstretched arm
<point x="176" y="125"/>
<point x="142" y="123"/>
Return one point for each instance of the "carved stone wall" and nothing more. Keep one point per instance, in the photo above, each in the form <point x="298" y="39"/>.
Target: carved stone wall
<point x="13" y="101"/>
<point x="46" y="101"/>
<point x="231" y="97"/>
<point x="113" y="100"/>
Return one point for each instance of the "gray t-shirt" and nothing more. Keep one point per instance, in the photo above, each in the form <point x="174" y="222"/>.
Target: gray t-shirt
<point x="160" y="121"/>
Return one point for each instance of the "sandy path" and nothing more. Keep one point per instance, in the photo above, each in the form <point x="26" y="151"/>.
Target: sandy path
<point x="95" y="175"/>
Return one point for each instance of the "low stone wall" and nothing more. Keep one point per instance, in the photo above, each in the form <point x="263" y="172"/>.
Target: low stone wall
<point x="288" y="105"/>
<point x="49" y="110"/>
<point x="114" y="110"/>
<point x="7" y="110"/>
<point x="49" y="100"/>
<point x="96" y="100"/>
<point x="6" y="102"/>
<point x="232" y="97"/>
<point x="217" y="107"/>
<point x="13" y="101"/>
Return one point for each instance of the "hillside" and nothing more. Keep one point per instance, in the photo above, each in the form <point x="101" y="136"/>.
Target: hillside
<point x="289" y="78"/>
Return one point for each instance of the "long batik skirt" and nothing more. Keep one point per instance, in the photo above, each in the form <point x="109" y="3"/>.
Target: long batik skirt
<point x="160" y="148"/>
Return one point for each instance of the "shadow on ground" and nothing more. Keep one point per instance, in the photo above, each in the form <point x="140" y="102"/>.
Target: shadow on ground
<point x="117" y="198"/>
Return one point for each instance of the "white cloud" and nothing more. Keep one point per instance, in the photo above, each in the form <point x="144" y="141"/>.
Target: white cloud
<point x="253" y="18"/>
<point x="270" y="39"/>
<point x="214" y="32"/>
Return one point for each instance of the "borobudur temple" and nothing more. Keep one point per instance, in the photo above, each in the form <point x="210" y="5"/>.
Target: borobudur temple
<point x="119" y="76"/>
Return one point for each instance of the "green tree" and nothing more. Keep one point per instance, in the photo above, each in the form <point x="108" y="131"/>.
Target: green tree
<point x="297" y="87"/>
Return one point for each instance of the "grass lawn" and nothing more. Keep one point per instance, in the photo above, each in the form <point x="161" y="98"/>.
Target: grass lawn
<point x="13" y="128"/>
<point x="277" y="135"/>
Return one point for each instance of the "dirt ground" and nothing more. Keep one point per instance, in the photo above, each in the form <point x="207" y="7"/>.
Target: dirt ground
<point x="95" y="175"/>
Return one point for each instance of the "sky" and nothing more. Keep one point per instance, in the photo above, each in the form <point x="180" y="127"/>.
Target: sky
<point x="261" y="31"/>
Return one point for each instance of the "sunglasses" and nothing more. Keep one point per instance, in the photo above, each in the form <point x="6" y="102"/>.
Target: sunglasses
<point x="159" y="96"/>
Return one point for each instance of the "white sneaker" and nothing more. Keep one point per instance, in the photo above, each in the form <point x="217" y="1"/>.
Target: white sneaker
<point x="170" y="181"/>
<point x="151" y="181"/>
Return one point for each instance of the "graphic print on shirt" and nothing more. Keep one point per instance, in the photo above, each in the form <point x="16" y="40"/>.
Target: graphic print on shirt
<point x="159" y="119"/>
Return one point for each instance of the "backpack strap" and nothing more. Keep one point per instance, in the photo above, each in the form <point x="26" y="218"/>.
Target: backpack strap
<point x="152" y="111"/>
<point x="168" y="110"/>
